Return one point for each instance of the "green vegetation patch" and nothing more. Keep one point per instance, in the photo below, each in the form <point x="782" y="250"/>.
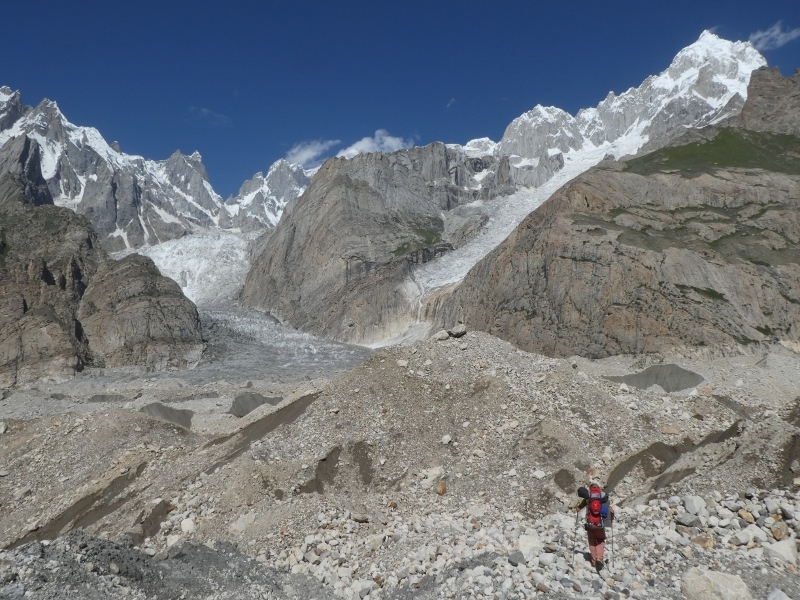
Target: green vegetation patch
<point x="731" y="148"/>
<point x="707" y="292"/>
<point x="425" y="234"/>
<point x="429" y="236"/>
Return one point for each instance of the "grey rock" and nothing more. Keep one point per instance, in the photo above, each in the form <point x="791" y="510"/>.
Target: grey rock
<point x="64" y="304"/>
<point x="694" y="504"/>
<point x="785" y="551"/>
<point x="316" y="274"/>
<point x="3" y="427"/>
<point x="516" y="558"/>
<point x="688" y="519"/>
<point x="742" y="537"/>
<point x="21" y="492"/>
<point x="12" y="590"/>
<point x="547" y="559"/>
<point x="702" y="584"/>
<point x="772" y="505"/>
<point x="458" y="331"/>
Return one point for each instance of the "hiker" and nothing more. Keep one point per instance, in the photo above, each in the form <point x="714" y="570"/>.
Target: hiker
<point x="599" y="514"/>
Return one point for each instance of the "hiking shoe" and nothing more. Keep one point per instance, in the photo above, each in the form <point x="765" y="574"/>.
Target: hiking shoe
<point x="599" y="565"/>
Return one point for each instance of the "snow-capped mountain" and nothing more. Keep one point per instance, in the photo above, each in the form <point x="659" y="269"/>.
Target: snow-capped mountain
<point x="264" y="198"/>
<point x="134" y="202"/>
<point x="131" y="201"/>
<point x="546" y="147"/>
<point x="705" y="83"/>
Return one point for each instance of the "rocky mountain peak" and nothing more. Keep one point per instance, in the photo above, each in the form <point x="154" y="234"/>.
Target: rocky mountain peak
<point x="733" y="59"/>
<point x="11" y="107"/>
<point x="264" y="197"/>
<point x="184" y="166"/>
<point x="705" y="82"/>
<point x="131" y="201"/>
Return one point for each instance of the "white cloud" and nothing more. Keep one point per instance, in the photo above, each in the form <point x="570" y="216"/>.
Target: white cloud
<point x="774" y="37"/>
<point x="452" y="101"/>
<point x="310" y="154"/>
<point x="208" y="117"/>
<point x="380" y="142"/>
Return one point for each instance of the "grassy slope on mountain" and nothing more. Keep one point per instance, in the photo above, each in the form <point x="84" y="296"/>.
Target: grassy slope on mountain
<point x="730" y="148"/>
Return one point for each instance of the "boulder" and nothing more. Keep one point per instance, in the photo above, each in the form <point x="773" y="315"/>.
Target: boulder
<point x="702" y="584"/>
<point x="784" y="551"/>
<point x="530" y="545"/>
<point x="694" y="504"/>
<point x="458" y="331"/>
<point x="64" y="304"/>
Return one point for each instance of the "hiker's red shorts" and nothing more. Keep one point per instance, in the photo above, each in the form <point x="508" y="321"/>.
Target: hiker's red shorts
<point x="597" y="543"/>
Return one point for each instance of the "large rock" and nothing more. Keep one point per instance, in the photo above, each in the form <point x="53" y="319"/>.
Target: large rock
<point x="131" y="315"/>
<point x="697" y="244"/>
<point x="63" y="303"/>
<point x="618" y="262"/>
<point x="784" y="551"/>
<point x="773" y="103"/>
<point x="702" y="584"/>
<point x="336" y="263"/>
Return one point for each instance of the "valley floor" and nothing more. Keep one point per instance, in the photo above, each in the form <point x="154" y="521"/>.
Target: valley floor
<point x="439" y="469"/>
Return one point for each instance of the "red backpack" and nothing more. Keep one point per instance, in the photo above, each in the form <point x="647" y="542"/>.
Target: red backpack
<point x="596" y="508"/>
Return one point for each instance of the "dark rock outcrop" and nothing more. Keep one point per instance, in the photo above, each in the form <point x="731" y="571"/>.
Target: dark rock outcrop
<point x="773" y="103"/>
<point x="64" y="304"/>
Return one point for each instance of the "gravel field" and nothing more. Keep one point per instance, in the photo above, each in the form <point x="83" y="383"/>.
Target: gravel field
<point x="446" y="468"/>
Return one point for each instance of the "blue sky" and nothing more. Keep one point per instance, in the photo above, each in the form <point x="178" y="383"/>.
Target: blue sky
<point x="245" y="83"/>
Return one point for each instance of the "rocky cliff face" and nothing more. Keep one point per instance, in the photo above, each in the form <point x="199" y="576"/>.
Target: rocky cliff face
<point x="773" y="103"/>
<point x="63" y="303"/>
<point x="394" y="211"/>
<point x="694" y="245"/>
<point x="337" y="262"/>
<point x="619" y="262"/>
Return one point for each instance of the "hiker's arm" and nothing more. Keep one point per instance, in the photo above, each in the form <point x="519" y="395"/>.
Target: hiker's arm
<point x="580" y="504"/>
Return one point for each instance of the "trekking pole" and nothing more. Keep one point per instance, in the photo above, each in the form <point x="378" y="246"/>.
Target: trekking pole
<point x="613" y="554"/>
<point x="575" y="539"/>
